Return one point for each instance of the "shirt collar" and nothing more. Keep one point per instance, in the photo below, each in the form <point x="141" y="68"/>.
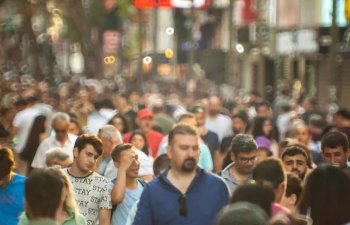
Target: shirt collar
<point x="164" y="178"/>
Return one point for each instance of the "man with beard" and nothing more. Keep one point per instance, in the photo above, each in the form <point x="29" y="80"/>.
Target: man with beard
<point x="295" y="161"/>
<point x="93" y="194"/>
<point x="184" y="193"/>
<point x="217" y="122"/>
<point x="335" y="149"/>
<point x="243" y="153"/>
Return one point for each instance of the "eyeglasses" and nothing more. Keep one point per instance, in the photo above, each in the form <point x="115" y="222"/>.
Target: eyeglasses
<point x="246" y="160"/>
<point x="183" y="205"/>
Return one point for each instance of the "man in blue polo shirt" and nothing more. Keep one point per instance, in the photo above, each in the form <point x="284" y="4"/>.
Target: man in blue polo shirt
<point x="183" y="194"/>
<point x="11" y="189"/>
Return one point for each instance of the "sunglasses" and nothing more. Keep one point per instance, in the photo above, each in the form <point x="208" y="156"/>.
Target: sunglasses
<point x="183" y="205"/>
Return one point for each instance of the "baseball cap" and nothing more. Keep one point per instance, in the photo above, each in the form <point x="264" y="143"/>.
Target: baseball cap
<point x="143" y="113"/>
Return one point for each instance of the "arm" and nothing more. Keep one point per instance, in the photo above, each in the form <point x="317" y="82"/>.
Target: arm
<point x="105" y="205"/>
<point x="118" y="190"/>
<point x="218" y="160"/>
<point x="104" y="216"/>
<point x="205" y="159"/>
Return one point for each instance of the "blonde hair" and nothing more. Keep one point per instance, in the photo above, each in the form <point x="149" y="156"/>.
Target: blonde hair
<point x="69" y="202"/>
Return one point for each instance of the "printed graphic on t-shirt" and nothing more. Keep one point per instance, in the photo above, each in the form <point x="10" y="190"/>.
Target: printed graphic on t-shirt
<point x="92" y="193"/>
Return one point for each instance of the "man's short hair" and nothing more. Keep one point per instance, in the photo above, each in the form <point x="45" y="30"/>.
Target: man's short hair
<point x="55" y="155"/>
<point x="294" y="150"/>
<point x="242" y="115"/>
<point x="271" y="170"/>
<point x="86" y="139"/>
<point x="60" y="116"/>
<point x="262" y="103"/>
<point x="7" y="161"/>
<point x="293" y="186"/>
<point x="197" y="109"/>
<point x="110" y="132"/>
<point x="343" y="113"/>
<point x="242" y="213"/>
<point x="119" y="149"/>
<point x="181" y="129"/>
<point x="335" y="139"/>
<point x="43" y="190"/>
<point x="243" y="143"/>
<point x="185" y="116"/>
<point x="160" y="164"/>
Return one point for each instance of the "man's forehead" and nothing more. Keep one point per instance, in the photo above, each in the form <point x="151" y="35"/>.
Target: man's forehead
<point x="181" y="138"/>
<point x="60" y="123"/>
<point x="250" y="153"/>
<point x="295" y="157"/>
<point x="90" y="148"/>
<point x="335" y="149"/>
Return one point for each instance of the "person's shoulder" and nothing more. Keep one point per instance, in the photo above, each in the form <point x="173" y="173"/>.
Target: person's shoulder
<point x="100" y="178"/>
<point x="215" y="181"/>
<point x="213" y="178"/>
<point x="212" y="134"/>
<point x="48" y="140"/>
<point x="81" y="220"/>
<point x="19" y="178"/>
<point x="156" y="134"/>
<point x="154" y="184"/>
<point x="224" y="117"/>
<point x="203" y="147"/>
<point x="72" y="137"/>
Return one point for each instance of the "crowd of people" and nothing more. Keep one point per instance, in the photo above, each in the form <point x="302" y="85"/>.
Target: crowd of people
<point x="80" y="152"/>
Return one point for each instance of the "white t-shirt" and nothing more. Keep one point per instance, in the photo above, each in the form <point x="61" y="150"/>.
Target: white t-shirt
<point x="91" y="193"/>
<point x="146" y="166"/>
<point x="24" y="121"/>
<point x="49" y="143"/>
<point x="221" y="125"/>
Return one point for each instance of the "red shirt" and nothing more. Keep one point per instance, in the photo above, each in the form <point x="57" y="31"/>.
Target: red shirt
<point x="153" y="140"/>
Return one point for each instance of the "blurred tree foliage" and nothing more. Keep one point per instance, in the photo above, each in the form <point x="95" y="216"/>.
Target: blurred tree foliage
<point x="25" y="36"/>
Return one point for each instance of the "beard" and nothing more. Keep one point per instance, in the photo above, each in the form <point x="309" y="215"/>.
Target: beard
<point x="299" y="174"/>
<point x="189" y="165"/>
<point x="244" y="170"/>
<point x="213" y="112"/>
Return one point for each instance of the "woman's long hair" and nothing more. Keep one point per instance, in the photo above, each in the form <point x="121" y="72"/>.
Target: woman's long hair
<point x="69" y="202"/>
<point x="145" y="147"/>
<point x="33" y="140"/>
<point x="257" y="128"/>
<point x="125" y="120"/>
<point x="326" y="196"/>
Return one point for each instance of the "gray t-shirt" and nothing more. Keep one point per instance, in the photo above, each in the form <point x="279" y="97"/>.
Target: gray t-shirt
<point x="131" y="197"/>
<point x="91" y="193"/>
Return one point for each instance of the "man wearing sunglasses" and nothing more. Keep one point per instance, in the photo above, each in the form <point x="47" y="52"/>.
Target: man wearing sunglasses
<point x="244" y="155"/>
<point x="184" y="193"/>
<point x="61" y="139"/>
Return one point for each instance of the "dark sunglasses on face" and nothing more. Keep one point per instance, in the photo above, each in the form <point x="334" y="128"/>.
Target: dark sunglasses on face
<point x="183" y="205"/>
